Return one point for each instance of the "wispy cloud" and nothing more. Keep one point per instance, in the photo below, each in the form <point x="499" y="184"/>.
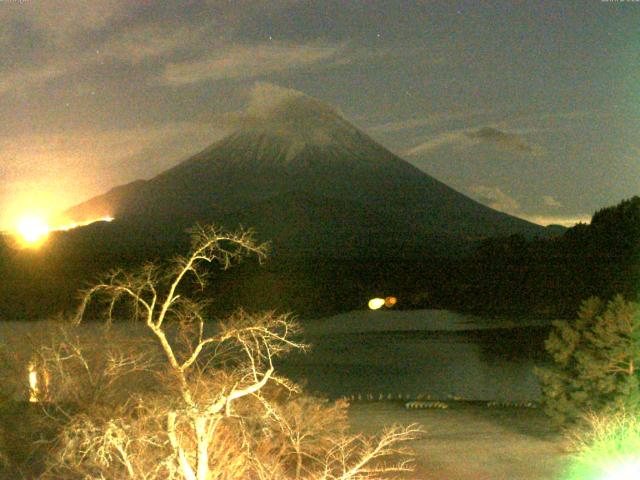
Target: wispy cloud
<point x="248" y="61"/>
<point x="505" y="140"/>
<point x="436" y="118"/>
<point x="45" y="40"/>
<point x="454" y="137"/>
<point x="495" y="198"/>
<point x="150" y="41"/>
<point x="550" y="201"/>
<point x="35" y="75"/>
<point x="466" y="138"/>
<point x="554" y="117"/>
<point x="64" y="18"/>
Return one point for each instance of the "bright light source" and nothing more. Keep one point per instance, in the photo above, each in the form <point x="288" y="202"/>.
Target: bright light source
<point x="628" y="470"/>
<point x="34" y="393"/>
<point x="32" y="230"/>
<point x="390" y="301"/>
<point x="38" y="383"/>
<point x="71" y="226"/>
<point x="376" y="303"/>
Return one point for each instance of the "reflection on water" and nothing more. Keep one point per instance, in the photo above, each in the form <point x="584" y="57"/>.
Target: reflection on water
<point x="430" y="352"/>
<point x="486" y="364"/>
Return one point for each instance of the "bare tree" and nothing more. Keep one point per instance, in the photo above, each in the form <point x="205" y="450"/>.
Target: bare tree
<point x="218" y="409"/>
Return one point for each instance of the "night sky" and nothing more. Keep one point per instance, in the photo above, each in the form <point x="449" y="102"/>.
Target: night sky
<point x="532" y="108"/>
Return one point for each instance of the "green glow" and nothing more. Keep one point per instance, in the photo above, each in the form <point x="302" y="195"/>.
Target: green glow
<point x="610" y="451"/>
<point x="629" y="470"/>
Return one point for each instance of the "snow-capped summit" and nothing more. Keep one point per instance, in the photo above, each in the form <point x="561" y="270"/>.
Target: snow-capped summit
<point x="300" y="173"/>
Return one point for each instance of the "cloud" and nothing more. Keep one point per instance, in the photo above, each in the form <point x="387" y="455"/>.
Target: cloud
<point x="495" y="198"/>
<point x="61" y="19"/>
<point x="150" y="41"/>
<point x="33" y="76"/>
<point x="550" y="201"/>
<point x="566" y="220"/>
<point x="466" y="138"/>
<point x="35" y="48"/>
<point x="248" y="61"/>
<point x="433" y="119"/>
<point x="455" y="137"/>
<point x="45" y="40"/>
<point x="546" y="118"/>
<point x="286" y="112"/>
<point x="505" y="140"/>
<point x="265" y="99"/>
<point x="268" y="102"/>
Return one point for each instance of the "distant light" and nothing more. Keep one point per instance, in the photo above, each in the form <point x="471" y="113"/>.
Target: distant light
<point x="34" y="392"/>
<point x="390" y="301"/>
<point x="32" y="230"/>
<point x="71" y="226"/>
<point x="376" y="303"/>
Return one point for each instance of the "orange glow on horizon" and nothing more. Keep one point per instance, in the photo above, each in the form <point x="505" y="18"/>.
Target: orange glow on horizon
<point x="32" y="231"/>
<point x="71" y="226"/>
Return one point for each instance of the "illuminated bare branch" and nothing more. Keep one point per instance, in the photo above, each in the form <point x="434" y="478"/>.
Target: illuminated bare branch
<point x="217" y="410"/>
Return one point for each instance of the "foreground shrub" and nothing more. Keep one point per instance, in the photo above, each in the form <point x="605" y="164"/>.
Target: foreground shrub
<point x="595" y="361"/>
<point x="202" y="404"/>
<point x="607" y="448"/>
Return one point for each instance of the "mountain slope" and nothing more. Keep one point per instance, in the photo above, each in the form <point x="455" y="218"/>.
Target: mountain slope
<point x="300" y="159"/>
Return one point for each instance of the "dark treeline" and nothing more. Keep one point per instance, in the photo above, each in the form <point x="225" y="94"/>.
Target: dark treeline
<point x="551" y="277"/>
<point x="500" y="276"/>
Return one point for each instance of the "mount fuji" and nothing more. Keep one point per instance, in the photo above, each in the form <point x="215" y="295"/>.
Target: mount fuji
<point x="309" y="181"/>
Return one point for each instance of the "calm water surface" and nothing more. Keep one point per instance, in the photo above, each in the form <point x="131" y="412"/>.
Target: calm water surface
<point x="430" y="352"/>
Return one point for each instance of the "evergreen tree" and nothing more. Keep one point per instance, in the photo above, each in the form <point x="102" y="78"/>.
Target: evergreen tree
<point x="595" y="361"/>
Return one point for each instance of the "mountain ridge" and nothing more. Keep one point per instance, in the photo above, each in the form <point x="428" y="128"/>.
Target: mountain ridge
<point x="302" y="145"/>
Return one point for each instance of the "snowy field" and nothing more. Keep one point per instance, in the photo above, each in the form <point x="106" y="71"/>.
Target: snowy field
<point x="472" y="443"/>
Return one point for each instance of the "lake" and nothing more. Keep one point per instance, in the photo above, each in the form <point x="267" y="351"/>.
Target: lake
<point x="410" y="353"/>
<point x="437" y="353"/>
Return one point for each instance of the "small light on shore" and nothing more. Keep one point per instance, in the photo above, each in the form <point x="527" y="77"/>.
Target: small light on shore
<point x="38" y="383"/>
<point x="390" y="301"/>
<point x="376" y="303"/>
<point x="34" y="392"/>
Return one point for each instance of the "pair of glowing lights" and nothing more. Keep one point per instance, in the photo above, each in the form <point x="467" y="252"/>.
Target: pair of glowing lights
<point x="377" y="303"/>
